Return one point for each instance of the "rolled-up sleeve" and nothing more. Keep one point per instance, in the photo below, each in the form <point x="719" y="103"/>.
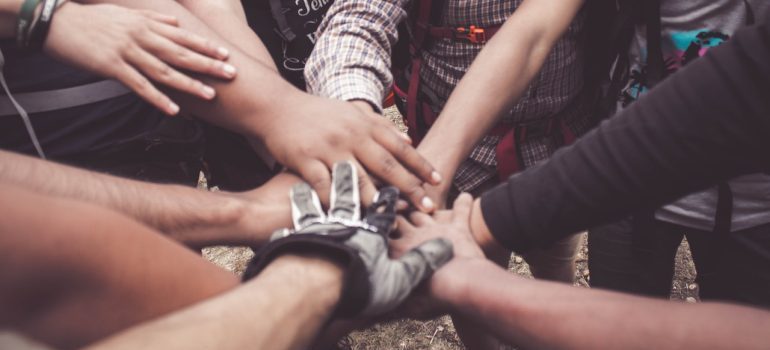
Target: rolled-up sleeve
<point x="351" y="59"/>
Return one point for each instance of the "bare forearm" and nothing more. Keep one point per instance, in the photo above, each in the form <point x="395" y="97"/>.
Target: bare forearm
<point x="238" y="105"/>
<point x="283" y="308"/>
<point x="189" y="215"/>
<point x="228" y="19"/>
<point x="496" y="80"/>
<point x="538" y="314"/>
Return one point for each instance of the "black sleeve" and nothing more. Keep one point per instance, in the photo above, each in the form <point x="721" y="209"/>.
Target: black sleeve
<point x="708" y="122"/>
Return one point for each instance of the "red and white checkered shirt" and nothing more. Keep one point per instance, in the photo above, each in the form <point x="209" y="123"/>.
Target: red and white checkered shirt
<point x="351" y="60"/>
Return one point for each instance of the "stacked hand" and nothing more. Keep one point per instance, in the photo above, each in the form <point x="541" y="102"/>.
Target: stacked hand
<point x="134" y="47"/>
<point x="375" y="283"/>
<point x="452" y="225"/>
<point x="312" y="134"/>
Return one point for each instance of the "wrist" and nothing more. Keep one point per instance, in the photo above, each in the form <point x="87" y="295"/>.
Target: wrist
<point x="483" y="236"/>
<point x="202" y="218"/>
<point x="283" y="101"/>
<point x="452" y="283"/>
<point x="318" y="278"/>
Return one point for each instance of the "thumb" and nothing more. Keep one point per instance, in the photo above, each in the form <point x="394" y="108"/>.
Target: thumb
<point x="397" y="278"/>
<point x="421" y="261"/>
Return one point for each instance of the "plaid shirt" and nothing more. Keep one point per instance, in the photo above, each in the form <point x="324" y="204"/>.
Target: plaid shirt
<point x="351" y="60"/>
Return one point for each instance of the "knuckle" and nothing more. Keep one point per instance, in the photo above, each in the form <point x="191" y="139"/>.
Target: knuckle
<point x="389" y="166"/>
<point x="165" y="72"/>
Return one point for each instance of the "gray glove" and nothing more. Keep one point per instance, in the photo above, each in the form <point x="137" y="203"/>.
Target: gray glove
<point x="374" y="283"/>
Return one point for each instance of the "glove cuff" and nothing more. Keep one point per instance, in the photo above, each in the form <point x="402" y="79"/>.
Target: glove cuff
<point x="355" y="285"/>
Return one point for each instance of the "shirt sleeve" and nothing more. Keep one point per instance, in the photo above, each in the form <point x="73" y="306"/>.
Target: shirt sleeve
<point x="351" y="58"/>
<point x="708" y="122"/>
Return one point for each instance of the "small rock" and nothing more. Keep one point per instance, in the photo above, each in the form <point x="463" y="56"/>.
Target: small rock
<point x="518" y="260"/>
<point x="692" y="286"/>
<point x="586" y="272"/>
<point x="690" y="300"/>
<point x="440" y="328"/>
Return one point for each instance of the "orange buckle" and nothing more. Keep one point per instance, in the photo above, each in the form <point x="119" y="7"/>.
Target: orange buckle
<point x="472" y="34"/>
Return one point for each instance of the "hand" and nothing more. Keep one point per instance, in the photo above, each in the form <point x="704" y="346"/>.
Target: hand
<point x="136" y="46"/>
<point x="313" y="134"/>
<point x="375" y="283"/>
<point x="438" y="193"/>
<point x="453" y="225"/>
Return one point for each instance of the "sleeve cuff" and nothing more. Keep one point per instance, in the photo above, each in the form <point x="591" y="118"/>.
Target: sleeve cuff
<point x="353" y="87"/>
<point x="498" y="211"/>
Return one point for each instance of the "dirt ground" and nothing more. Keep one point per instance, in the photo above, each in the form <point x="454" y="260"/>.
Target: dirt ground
<point x="439" y="334"/>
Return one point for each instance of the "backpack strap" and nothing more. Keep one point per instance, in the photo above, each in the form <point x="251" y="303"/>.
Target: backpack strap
<point x="750" y="19"/>
<point x="724" y="212"/>
<point x="276" y="9"/>
<point x="655" y="64"/>
<point x="419" y="35"/>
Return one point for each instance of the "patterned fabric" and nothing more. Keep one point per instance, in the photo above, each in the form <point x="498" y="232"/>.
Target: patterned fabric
<point x="351" y="60"/>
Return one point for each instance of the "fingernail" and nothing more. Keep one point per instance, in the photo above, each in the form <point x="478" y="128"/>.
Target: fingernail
<point x="173" y="108"/>
<point x="427" y="203"/>
<point x="405" y="137"/>
<point x="228" y="69"/>
<point x="208" y="91"/>
<point x="223" y="52"/>
<point x="435" y="176"/>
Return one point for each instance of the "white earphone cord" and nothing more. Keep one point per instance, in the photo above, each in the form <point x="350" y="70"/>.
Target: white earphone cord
<point x="20" y="109"/>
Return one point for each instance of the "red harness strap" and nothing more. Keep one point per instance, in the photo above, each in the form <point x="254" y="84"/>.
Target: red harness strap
<point x="509" y="160"/>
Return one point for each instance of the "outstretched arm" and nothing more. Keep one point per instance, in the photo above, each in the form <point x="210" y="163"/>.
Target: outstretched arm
<point x="305" y="133"/>
<point x="227" y="18"/>
<point x="548" y="315"/>
<point x="708" y="122"/>
<point x="283" y="308"/>
<point x="505" y="66"/>
<point x="193" y="217"/>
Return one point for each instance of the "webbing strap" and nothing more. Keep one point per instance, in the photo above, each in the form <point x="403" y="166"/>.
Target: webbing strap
<point x="18" y="108"/>
<point x="724" y="211"/>
<point x="52" y="100"/>
<point x="655" y="65"/>
<point x="276" y="9"/>
<point x="411" y="99"/>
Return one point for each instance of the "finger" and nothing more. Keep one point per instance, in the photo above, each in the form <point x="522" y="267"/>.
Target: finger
<point x="427" y="257"/>
<point x="402" y="205"/>
<point x="443" y="215"/>
<point x="382" y="213"/>
<point x="404" y="226"/>
<point x="188" y="59"/>
<point x="420" y="219"/>
<point x="193" y="42"/>
<point x="394" y="142"/>
<point x="344" y="199"/>
<point x="382" y="164"/>
<point x="316" y="174"/>
<point x="305" y="206"/>
<point x="398" y="278"/>
<point x="366" y="186"/>
<point x="461" y="211"/>
<point x="161" y="72"/>
<point x="134" y="80"/>
<point x="160" y="17"/>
